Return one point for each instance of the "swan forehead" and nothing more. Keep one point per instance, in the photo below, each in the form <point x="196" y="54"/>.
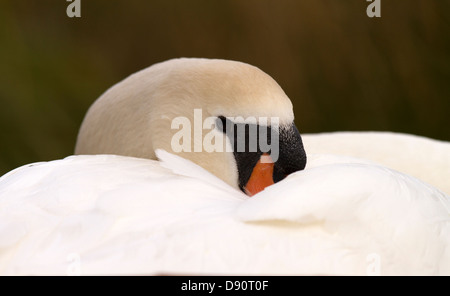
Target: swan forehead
<point x="232" y="89"/>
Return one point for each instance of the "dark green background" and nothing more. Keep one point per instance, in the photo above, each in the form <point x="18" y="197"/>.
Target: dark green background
<point x="341" y="69"/>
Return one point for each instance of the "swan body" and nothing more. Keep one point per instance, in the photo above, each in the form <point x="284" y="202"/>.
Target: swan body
<point x="360" y="207"/>
<point x="105" y="214"/>
<point x="424" y="158"/>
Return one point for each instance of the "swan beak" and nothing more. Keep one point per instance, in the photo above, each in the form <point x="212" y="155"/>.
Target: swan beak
<point x="261" y="177"/>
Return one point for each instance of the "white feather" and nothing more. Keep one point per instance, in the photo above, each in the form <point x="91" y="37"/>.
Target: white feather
<point x="120" y="215"/>
<point x="424" y="158"/>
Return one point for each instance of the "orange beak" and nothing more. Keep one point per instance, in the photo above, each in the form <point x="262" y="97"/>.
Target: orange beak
<point x="262" y="175"/>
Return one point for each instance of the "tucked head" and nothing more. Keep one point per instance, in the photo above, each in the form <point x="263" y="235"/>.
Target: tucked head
<point x="228" y="117"/>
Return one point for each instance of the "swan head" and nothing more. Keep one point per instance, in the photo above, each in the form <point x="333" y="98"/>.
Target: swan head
<point x="229" y="117"/>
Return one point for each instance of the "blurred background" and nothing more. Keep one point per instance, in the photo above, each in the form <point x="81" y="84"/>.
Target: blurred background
<point x="342" y="69"/>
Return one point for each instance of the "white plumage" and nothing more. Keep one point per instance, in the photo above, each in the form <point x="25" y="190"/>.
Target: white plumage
<point x="360" y="207"/>
<point x="421" y="157"/>
<point x="121" y="215"/>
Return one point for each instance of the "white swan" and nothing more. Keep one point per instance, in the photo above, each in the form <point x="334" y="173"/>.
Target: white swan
<point x="108" y="214"/>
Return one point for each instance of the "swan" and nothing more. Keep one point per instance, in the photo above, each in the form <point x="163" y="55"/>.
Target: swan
<point x="128" y="203"/>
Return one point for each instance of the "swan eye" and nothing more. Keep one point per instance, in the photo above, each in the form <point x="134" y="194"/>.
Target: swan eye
<point x="221" y="124"/>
